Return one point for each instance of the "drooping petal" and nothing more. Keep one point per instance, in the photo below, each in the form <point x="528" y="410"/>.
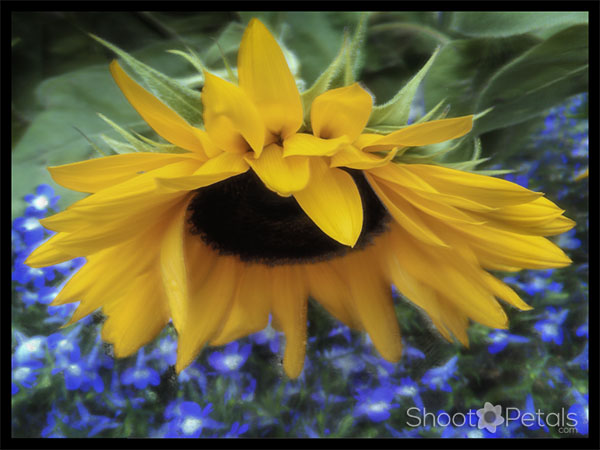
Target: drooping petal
<point x="282" y="175"/>
<point x="173" y="269"/>
<point x="341" y="112"/>
<point x="353" y="158"/>
<point x="249" y="312"/>
<point x="404" y="213"/>
<point x="371" y="297"/>
<point x="137" y="316"/>
<point x="231" y="119"/>
<point x="206" y="309"/>
<point x="96" y="174"/>
<point x="265" y="76"/>
<point x="166" y="122"/>
<point x="483" y="189"/>
<point x="329" y="289"/>
<point x="289" y="297"/>
<point x="333" y="203"/>
<point x="48" y="254"/>
<point x="426" y="133"/>
<point x="302" y="144"/>
<point x="219" y="168"/>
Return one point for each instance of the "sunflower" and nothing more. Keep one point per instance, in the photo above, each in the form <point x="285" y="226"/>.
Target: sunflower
<point x="267" y="206"/>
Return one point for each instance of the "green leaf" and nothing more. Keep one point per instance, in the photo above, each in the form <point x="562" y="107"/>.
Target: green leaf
<point x="540" y="78"/>
<point x="502" y="24"/>
<point x="396" y="111"/>
<point x="185" y="101"/>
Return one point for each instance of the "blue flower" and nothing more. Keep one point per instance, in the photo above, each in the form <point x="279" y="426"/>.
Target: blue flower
<point x="231" y="359"/>
<point x="53" y="421"/>
<point x="375" y="404"/>
<point x="344" y="359"/>
<point x="24" y="375"/>
<point x="342" y="330"/>
<point x="556" y="374"/>
<point x="268" y="336"/>
<point x="39" y="203"/>
<point x="24" y="274"/>
<point x="30" y="229"/>
<point x="500" y="339"/>
<point x="194" y="372"/>
<point x="407" y="388"/>
<point x="550" y="327"/>
<point x="188" y="419"/>
<point x="568" y="240"/>
<point x="140" y="375"/>
<point x="97" y="423"/>
<point x="164" y="354"/>
<point x="28" y="349"/>
<point x="579" y="411"/>
<point x="65" y="347"/>
<point x="437" y="378"/>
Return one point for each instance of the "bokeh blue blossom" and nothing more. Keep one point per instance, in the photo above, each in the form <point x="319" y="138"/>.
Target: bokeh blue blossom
<point x="66" y="383"/>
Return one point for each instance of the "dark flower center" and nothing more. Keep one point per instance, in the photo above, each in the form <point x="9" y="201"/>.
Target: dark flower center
<point x="240" y="216"/>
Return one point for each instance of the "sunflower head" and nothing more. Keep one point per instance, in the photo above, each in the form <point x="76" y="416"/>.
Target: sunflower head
<point x="277" y="196"/>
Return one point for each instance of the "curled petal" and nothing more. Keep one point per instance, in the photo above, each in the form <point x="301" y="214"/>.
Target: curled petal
<point x="231" y="119"/>
<point x="342" y="111"/>
<point x="281" y="175"/>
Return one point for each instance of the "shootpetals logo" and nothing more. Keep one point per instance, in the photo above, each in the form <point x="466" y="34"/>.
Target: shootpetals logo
<point x="490" y="417"/>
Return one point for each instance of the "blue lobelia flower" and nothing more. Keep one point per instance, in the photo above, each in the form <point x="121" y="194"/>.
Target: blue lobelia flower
<point x="65" y="346"/>
<point x="375" y="404"/>
<point x="30" y="229"/>
<point x="555" y="374"/>
<point x="24" y="274"/>
<point x="583" y="330"/>
<point x="499" y="339"/>
<point x="24" y="374"/>
<point x="568" y="240"/>
<point x="407" y="388"/>
<point x="95" y="423"/>
<point x="341" y="330"/>
<point x="231" y="359"/>
<point x="29" y="349"/>
<point x="268" y="336"/>
<point x="164" y="354"/>
<point x="194" y="373"/>
<point x="41" y="201"/>
<point x="579" y="411"/>
<point x="549" y="327"/>
<point x="437" y="377"/>
<point x="188" y="419"/>
<point x="53" y="419"/>
<point x="140" y="375"/>
<point x="345" y="360"/>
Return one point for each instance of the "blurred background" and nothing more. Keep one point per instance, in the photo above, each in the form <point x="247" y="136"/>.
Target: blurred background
<point x="530" y="67"/>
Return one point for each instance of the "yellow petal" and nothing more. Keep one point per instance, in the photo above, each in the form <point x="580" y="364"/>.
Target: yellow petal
<point x="231" y="119"/>
<point x="206" y="309"/>
<point x="333" y="203"/>
<point x="219" y="168"/>
<point x="173" y="269"/>
<point x="427" y="133"/>
<point x="282" y="175"/>
<point x="353" y="158"/>
<point x="264" y="75"/>
<point x="47" y="254"/>
<point x="328" y="288"/>
<point x="250" y="309"/>
<point x="289" y="311"/>
<point x="96" y="174"/>
<point x="309" y="145"/>
<point x="404" y="213"/>
<point x="342" y="111"/>
<point x="166" y="122"/>
<point x="137" y="316"/>
<point x="483" y="189"/>
<point x="372" y="298"/>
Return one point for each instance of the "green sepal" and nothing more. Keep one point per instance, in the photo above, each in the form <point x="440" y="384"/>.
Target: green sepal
<point x="133" y="143"/>
<point x="396" y="111"/>
<point x="185" y="101"/>
<point x="118" y="146"/>
<point x="355" y="57"/>
<point x="431" y="115"/>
